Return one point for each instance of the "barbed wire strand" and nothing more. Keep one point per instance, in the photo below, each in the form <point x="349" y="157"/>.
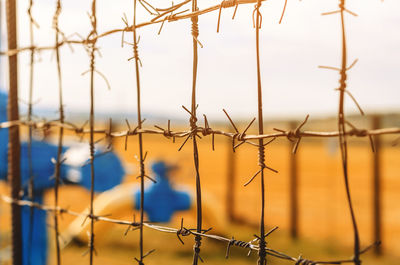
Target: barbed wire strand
<point x="342" y="136"/>
<point x="193" y="127"/>
<point x="182" y="231"/>
<point x="262" y="260"/>
<point x="342" y="123"/>
<point x="61" y="130"/>
<point x="92" y="48"/>
<point x="140" y="137"/>
<point x="80" y="130"/>
<point x="127" y="28"/>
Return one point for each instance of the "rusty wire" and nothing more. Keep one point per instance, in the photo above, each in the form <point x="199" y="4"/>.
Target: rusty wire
<point x="342" y="122"/>
<point x="140" y="137"/>
<point x="167" y="17"/>
<point x="262" y="254"/>
<point x="182" y="231"/>
<point x="173" y="13"/>
<point x="91" y="49"/>
<point x="57" y="172"/>
<point x="43" y="124"/>
<point x="193" y="127"/>
<point x="205" y="131"/>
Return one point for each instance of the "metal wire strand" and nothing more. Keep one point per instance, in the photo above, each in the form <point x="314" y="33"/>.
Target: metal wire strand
<point x="193" y="127"/>
<point x="92" y="48"/>
<point x="182" y="231"/>
<point x="341" y="125"/>
<point x="61" y="130"/>
<point x="139" y="126"/>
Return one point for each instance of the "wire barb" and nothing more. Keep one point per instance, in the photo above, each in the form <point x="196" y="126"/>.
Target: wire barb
<point x="226" y="4"/>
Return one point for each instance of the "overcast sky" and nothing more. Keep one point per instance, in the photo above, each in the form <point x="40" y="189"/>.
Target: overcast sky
<point x="290" y="54"/>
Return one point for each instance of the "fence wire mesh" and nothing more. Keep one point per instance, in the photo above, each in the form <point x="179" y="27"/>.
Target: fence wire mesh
<point x="195" y="132"/>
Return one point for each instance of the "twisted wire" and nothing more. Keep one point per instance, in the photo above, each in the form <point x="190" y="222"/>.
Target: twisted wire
<point x="261" y="153"/>
<point x="92" y="49"/>
<point x="238" y="243"/>
<point x="80" y="130"/>
<point x="177" y="231"/>
<point x="61" y="130"/>
<point x="140" y="136"/>
<point x="302" y="261"/>
<point x="342" y="135"/>
<point x="193" y="126"/>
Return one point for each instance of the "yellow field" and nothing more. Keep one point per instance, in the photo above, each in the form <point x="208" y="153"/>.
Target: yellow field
<point x="324" y="219"/>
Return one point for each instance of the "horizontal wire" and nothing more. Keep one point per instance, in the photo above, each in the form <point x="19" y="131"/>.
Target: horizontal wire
<point x="44" y="125"/>
<point x="93" y="39"/>
<point x="178" y="231"/>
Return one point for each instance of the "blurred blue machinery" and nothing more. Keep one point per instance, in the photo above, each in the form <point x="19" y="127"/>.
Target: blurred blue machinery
<point x="108" y="171"/>
<point x="161" y="200"/>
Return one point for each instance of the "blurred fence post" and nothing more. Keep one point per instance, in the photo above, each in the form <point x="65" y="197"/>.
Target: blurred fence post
<point x="376" y="186"/>
<point x="293" y="189"/>
<point x="14" y="145"/>
<point x="231" y="179"/>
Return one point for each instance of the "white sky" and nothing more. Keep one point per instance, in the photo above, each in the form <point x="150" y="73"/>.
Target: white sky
<point x="291" y="52"/>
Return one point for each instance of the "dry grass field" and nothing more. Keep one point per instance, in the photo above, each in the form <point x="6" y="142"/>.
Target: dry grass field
<point x="324" y="221"/>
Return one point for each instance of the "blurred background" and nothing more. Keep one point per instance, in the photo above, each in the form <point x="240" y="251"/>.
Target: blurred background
<point x="293" y="86"/>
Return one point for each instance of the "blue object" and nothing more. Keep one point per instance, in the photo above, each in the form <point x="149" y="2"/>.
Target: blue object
<point x="161" y="201"/>
<point x="37" y="251"/>
<point x="108" y="173"/>
<point x="3" y="134"/>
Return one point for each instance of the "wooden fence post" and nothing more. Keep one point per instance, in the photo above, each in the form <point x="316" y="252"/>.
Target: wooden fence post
<point x="14" y="145"/>
<point x="376" y="186"/>
<point x="230" y="185"/>
<point x="293" y="190"/>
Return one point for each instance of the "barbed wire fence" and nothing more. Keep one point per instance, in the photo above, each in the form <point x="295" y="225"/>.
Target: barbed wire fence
<point x="195" y="131"/>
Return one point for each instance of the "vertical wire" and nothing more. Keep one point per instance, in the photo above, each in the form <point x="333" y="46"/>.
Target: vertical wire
<point x="61" y="131"/>
<point x="261" y="155"/>
<point x="193" y="125"/>
<point x="31" y="184"/>
<point x="342" y="135"/>
<point x="14" y="143"/>
<point x="139" y="117"/>
<point x="93" y="33"/>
